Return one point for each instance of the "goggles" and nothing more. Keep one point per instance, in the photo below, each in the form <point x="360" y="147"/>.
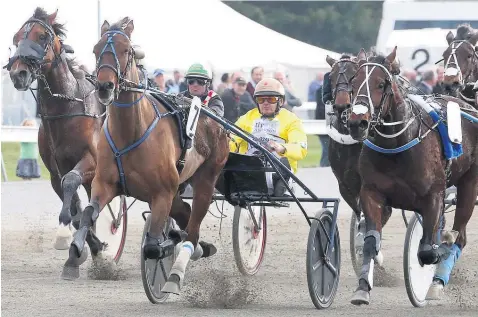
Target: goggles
<point x="269" y="99"/>
<point x="200" y="82"/>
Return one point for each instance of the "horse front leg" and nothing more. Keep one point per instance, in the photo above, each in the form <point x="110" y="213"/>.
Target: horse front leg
<point x="373" y="204"/>
<point x="82" y="173"/>
<point x="467" y="190"/>
<point x="204" y="183"/>
<point x="101" y="194"/>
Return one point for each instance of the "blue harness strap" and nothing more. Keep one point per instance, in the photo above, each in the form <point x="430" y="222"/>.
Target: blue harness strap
<point x="119" y="153"/>
<point x="400" y="149"/>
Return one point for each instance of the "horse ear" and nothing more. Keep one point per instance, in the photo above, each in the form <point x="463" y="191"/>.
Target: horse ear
<point x="473" y="39"/>
<point x="391" y="57"/>
<point x="330" y="60"/>
<point x="52" y="17"/>
<point x="362" y="55"/>
<point x="128" y="29"/>
<point x="449" y="37"/>
<point x="105" y="27"/>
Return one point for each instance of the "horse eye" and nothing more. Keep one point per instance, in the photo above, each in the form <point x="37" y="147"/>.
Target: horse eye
<point x="470" y="56"/>
<point x="42" y="37"/>
<point x="381" y="85"/>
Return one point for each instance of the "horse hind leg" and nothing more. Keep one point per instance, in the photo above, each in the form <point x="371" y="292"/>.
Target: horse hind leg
<point x="69" y="184"/>
<point x="203" y="187"/>
<point x="467" y="190"/>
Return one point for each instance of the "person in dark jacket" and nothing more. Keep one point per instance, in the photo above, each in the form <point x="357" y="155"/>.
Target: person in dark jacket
<point x="320" y="115"/>
<point x="327" y="89"/>
<point x="237" y="101"/>
<point x="198" y="79"/>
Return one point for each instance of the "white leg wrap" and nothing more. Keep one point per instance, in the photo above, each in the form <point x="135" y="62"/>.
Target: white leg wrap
<point x="179" y="266"/>
<point x="197" y="253"/>
<point x="370" y="273"/>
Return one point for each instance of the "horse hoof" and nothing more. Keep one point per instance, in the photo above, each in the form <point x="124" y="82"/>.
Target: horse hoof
<point x="70" y="273"/>
<point x="428" y="257"/>
<point x="360" y="298"/>
<point x="172" y="285"/>
<point x="63" y="238"/>
<point x="436" y="291"/>
<point x="379" y="258"/>
<point x="208" y="249"/>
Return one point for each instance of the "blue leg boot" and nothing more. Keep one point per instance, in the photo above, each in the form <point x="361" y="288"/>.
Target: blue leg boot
<point x="442" y="274"/>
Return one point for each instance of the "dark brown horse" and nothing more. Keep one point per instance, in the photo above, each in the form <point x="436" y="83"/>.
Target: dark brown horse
<point x="461" y="64"/>
<point x="344" y="151"/>
<point x="405" y="164"/>
<point x="140" y="155"/>
<point x="71" y="116"/>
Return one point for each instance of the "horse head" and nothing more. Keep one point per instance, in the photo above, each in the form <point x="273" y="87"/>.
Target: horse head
<point x="460" y="59"/>
<point x="340" y="75"/>
<point x="115" y="57"/>
<point x="38" y="46"/>
<point x="372" y="88"/>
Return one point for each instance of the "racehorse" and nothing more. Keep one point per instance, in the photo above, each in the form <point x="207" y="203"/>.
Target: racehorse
<point x="406" y="164"/>
<point x="461" y="64"/>
<point x="344" y="151"/>
<point x="71" y="117"/>
<point x="141" y="155"/>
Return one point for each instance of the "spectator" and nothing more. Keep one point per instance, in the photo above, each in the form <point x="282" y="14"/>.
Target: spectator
<point x="324" y="139"/>
<point x="237" y="101"/>
<point x="174" y="85"/>
<point x="411" y="75"/>
<point x="225" y="82"/>
<point x="438" y="88"/>
<point x="27" y="167"/>
<point x="291" y="101"/>
<point x="314" y="85"/>
<point x="429" y="80"/>
<point x="256" y="76"/>
<point x="159" y="82"/>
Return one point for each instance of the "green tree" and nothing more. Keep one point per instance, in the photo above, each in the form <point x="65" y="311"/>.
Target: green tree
<point x="341" y="26"/>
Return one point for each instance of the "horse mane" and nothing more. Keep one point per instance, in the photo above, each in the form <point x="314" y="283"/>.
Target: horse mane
<point x="464" y="31"/>
<point x="60" y="31"/>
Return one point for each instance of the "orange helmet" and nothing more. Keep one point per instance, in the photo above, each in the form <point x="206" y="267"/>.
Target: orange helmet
<point x="269" y="87"/>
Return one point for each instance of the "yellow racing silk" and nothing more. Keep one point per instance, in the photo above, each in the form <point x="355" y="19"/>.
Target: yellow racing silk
<point x="285" y="128"/>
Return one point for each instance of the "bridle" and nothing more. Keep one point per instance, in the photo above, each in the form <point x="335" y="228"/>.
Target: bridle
<point x="34" y="54"/>
<point x="344" y="85"/>
<point x="123" y="84"/>
<point x="452" y="67"/>
<point x="361" y="107"/>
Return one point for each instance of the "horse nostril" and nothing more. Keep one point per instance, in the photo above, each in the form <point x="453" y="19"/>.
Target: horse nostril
<point x="109" y="85"/>
<point x="22" y="74"/>
<point x="363" y="124"/>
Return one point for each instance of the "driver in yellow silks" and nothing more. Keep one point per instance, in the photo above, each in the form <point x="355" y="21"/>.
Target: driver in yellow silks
<point x="279" y="128"/>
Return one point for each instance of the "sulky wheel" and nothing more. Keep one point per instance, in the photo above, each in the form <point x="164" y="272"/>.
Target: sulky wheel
<point x="356" y="242"/>
<point x="155" y="273"/>
<point x="110" y="227"/>
<point x="249" y="233"/>
<point x="323" y="260"/>
<point x="417" y="278"/>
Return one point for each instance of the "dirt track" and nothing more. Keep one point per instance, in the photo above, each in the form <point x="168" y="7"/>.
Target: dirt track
<point x="214" y="287"/>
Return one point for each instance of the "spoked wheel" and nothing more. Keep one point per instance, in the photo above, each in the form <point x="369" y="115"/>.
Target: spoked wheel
<point x="155" y="273"/>
<point x="323" y="260"/>
<point x="110" y="227"/>
<point x="356" y="242"/>
<point x="417" y="278"/>
<point x="249" y="233"/>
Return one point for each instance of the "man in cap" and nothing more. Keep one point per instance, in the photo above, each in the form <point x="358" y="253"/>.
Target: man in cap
<point x="159" y="82"/>
<point x="237" y="101"/>
<point x="198" y="80"/>
<point x="276" y="127"/>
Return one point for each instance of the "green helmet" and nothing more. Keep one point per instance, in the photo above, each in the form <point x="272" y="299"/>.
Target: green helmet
<point x="199" y="71"/>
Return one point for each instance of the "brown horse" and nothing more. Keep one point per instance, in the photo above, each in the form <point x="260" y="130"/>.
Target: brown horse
<point x="71" y="117"/>
<point x="149" y="166"/>
<point x="461" y="64"/>
<point x="344" y="151"/>
<point x="406" y="164"/>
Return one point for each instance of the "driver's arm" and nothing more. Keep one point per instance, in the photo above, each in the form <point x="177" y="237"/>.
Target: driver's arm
<point x="296" y="147"/>
<point x="236" y="141"/>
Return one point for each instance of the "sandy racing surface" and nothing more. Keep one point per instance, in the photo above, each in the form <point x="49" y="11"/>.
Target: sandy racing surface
<point x="213" y="287"/>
